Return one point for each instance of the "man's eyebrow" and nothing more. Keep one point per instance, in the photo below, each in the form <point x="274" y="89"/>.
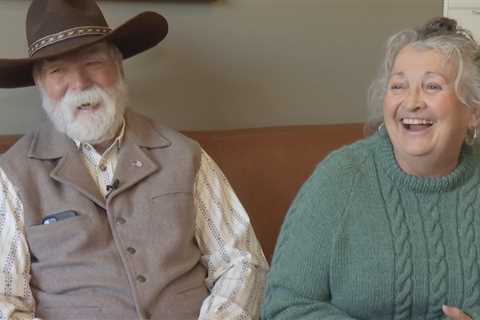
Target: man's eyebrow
<point x="93" y="52"/>
<point x="51" y="62"/>
<point x="99" y="48"/>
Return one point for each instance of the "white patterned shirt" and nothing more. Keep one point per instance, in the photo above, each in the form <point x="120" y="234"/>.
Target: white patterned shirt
<point x="230" y="251"/>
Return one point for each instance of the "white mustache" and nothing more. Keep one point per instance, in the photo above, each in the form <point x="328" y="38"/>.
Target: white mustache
<point x="91" y="128"/>
<point x="74" y="100"/>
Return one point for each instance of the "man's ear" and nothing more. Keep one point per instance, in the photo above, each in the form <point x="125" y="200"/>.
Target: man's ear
<point x="122" y="72"/>
<point x="36" y="69"/>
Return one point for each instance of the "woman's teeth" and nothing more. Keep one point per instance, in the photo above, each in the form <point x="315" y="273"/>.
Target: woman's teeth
<point x="416" y="124"/>
<point x="416" y="121"/>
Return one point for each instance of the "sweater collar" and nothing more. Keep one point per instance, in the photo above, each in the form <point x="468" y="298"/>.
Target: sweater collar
<point x="387" y="160"/>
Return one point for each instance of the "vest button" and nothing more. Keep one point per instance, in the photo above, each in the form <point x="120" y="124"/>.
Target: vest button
<point x="141" y="278"/>
<point x="147" y="315"/>
<point x="131" y="250"/>
<point x="120" y="220"/>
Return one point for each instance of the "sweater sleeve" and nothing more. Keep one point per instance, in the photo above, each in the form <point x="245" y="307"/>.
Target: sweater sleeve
<point x="473" y="312"/>
<point x="298" y="283"/>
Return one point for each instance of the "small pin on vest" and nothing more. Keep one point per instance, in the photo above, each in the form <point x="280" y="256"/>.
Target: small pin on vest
<point x="137" y="163"/>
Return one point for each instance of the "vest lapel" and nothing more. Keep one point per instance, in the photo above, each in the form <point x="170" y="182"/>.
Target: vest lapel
<point x="133" y="166"/>
<point x="48" y="144"/>
<point x="72" y="171"/>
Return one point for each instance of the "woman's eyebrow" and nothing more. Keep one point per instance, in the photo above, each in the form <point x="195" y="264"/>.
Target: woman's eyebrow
<point x="435" y="73"/>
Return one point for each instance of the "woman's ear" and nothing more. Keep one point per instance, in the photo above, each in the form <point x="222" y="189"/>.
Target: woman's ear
<point x="475" y="118"/>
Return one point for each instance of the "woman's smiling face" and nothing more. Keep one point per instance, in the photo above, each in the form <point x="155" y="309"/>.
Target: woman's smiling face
<point x="425" y="120"/>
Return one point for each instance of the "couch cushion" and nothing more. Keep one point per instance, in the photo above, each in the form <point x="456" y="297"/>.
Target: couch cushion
<point x="267" y="166"/>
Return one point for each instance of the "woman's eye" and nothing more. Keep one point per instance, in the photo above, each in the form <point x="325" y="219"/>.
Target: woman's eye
<point x="397" y="86"/>
<point x="433" y="86"/>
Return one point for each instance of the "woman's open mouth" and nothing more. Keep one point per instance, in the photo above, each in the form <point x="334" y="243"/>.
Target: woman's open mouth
<point x="416" y="124"/>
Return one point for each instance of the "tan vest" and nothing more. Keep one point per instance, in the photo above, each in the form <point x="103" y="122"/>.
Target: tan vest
<point x="131" y="256"/>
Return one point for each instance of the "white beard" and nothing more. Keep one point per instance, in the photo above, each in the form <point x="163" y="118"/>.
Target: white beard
<point x="88" y="127"/>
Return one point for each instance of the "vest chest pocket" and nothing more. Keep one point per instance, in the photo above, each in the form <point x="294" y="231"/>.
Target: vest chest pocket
<point x="56" y="240"/>
<point x="171" y="212"/>
<point x="187" y="302"/>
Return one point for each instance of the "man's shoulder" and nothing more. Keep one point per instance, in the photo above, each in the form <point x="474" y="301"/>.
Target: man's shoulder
<point x="16" y="159"/>
<point x="21" y="147"/>
<point x="37" y="143"/>
<point x="149" y="128"/>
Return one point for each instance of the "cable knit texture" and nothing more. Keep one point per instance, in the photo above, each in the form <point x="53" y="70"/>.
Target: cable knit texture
<point x="365" y="240"/>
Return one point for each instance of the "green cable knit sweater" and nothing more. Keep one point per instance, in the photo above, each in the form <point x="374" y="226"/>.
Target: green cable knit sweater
<point x="364" y="240"/>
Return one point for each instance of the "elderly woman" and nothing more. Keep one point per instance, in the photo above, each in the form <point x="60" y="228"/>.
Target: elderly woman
<point x="389" y="227"/>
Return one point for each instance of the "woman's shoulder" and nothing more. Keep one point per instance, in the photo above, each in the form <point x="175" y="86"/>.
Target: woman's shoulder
<point x="349" y="159"/>
<point x="341" y="170"/>
<point x="336" y="179"/>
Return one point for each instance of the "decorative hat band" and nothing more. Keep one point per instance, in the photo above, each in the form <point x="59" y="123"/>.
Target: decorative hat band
<point x="67" y="34"/>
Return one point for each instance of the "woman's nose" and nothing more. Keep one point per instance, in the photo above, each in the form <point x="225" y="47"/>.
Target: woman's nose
<point x="414" y="100"/>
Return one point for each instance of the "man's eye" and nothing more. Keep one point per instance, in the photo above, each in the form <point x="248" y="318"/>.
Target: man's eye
<point x="54" y="70"/>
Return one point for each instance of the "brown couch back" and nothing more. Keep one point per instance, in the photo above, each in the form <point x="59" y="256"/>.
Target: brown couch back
<point x="267" y="166"/>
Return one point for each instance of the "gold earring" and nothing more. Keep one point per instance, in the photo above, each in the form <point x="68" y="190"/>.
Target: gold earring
<point x="471" y="136"/>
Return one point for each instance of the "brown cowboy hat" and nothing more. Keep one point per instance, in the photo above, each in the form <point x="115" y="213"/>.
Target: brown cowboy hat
<point x="55" y="27"/>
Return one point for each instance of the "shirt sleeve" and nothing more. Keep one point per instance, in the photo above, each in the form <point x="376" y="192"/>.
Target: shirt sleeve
<point x="230" y="250"/>
<point x="16" y="301"/>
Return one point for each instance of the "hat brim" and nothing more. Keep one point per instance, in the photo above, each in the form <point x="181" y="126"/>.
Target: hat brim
<point x="138" y="34"/>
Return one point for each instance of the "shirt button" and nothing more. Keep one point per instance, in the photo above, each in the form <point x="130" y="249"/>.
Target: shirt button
<point x="120" y="220"/>
<point x="103" y="167"/>
<point x="141" y="278"/>
<point x="147" y="315"/>
<point x="131" y="250"/>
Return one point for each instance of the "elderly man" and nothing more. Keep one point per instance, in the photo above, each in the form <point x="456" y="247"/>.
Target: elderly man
<point x="104" y="214"/>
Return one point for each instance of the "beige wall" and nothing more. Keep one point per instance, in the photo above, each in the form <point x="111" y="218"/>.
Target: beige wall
<point x="241" y="63"/>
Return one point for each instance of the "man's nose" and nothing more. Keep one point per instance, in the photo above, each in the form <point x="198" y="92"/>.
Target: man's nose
<point x="79" y="80"/>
